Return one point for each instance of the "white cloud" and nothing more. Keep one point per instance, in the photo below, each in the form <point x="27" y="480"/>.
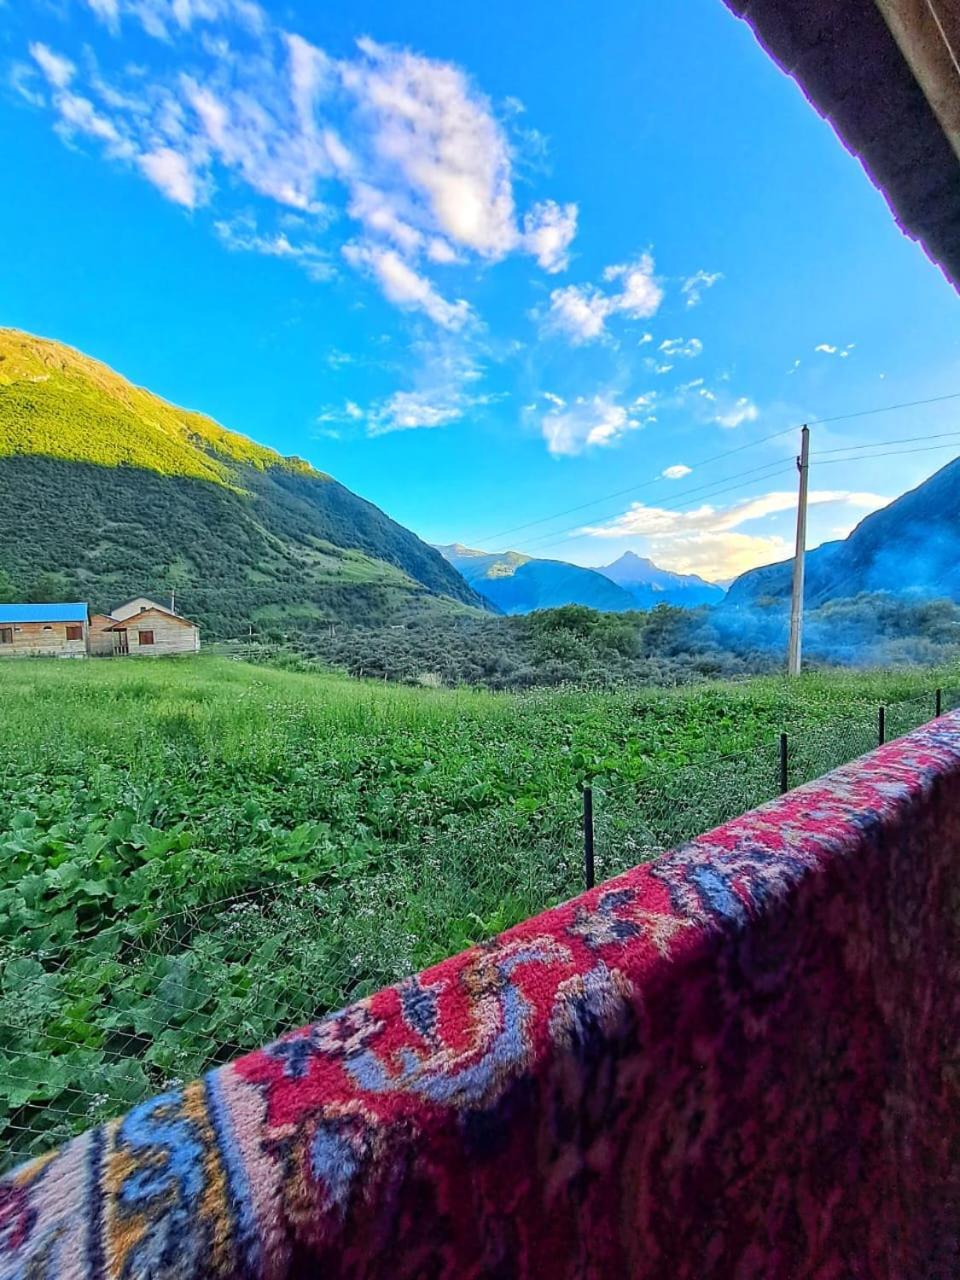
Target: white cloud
<point x="429" y="128"/>
<point x="580" y="312"/>
<point x="442" y="390"/>
<point x="588" y="421"/>
<point x="676" y="472"/>
<point x="694" y="287"/>
<point x="402" y="285"/>
<point x="336" y="359"/>
<point x="408" y="410"/>
<point x="644" y="339"/>
<point x="162" y="19"/>
<point x="828" y="349"/>
<point x="688" y="348"/>
<point x="59" y="71"/>
<point x="172" y="174"/>
<point x="242" y="235"/>
<point x="108" y="11"/>
<point x="22" y="79"/>
<point x="548" y="232"/>
<point x="554" y="399"/>
<point x="742" y="410"/>
<point x="707" y="540"/>
<point x="407" y="146"/>
<point x="641" y="294"/>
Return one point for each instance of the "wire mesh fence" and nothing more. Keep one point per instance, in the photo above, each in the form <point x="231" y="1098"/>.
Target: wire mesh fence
<point x="95" y="1018"/>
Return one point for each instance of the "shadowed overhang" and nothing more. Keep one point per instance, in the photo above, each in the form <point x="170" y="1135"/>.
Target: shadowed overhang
<point x="886" y="74"/>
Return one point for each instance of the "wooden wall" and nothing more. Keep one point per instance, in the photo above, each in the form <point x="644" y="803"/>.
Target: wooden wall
<point x="101" y="640"/>
<point x="169" y="635"/>
<point x="43" y="640"/>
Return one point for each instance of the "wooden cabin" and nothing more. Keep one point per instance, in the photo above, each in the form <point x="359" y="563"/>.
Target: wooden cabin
<point x="140" y="627"/>
<point x="144" y="628"/>
<point x="43" y="630"/>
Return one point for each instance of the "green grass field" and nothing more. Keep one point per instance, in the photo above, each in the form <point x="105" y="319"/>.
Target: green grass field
<point x="195" y="854"/>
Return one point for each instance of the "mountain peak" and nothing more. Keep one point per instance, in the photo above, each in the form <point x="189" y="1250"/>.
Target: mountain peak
<point x="630" y="558"/>
<point x="632" y="571"/>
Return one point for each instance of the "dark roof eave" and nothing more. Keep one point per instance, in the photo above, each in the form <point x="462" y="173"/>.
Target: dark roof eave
<point x="846" y="61"/>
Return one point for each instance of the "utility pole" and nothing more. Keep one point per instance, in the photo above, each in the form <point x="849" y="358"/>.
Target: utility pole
<point x="796" y="603"/>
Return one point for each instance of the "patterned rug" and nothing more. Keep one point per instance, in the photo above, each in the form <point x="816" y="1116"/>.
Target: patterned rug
<point x="742" y="1060"/>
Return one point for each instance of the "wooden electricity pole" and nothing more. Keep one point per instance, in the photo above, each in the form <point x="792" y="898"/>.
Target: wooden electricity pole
<point x="796" y="603"/>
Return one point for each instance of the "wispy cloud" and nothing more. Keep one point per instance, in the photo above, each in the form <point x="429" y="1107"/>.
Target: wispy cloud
<point x="164" y="19"/>
<point x="57" y="70"/>
<point x="241" y="234"/>
<point x="676" y="472"/>
<point x="829" y="349"/>
<point x="443" y="386"/>
<point x="413" y="154"/>
<point x="708" y="540"/>
<point x="686" y="347"/>
<point x="402" y="285"/>
<point x="740" y="411"/>
<point x="580" y="312"/>
<point x="590" y="421"/>
<point x="548" y="232"/>
<point x="694" y="287"/>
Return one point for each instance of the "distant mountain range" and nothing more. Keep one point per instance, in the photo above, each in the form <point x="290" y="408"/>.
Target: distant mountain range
<point x="109" y="492"/>
<point x="910" y="548"/>
<point x="516" y="583"/>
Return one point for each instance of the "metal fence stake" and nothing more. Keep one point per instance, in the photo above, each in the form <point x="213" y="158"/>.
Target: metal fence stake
<point x="784" y="778"/>
<point x="882" y="726"/>
<point x="588" y="870"/>
<point x="939" y="703"/>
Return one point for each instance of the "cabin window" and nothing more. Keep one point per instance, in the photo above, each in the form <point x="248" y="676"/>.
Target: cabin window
<point x="6" y="635"/>
<point x="74" y="632"/>
<point x="146" y="637"/>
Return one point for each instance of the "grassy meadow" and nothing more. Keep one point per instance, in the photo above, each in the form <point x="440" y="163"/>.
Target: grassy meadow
<point x="195" y="854"/>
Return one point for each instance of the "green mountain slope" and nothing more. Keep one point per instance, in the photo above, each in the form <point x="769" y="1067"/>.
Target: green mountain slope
<point x="119" y="493"/>
<point x="516" y="583"/>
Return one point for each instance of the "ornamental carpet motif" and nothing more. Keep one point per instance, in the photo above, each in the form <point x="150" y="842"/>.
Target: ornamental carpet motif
<point x="741" y="1060"/>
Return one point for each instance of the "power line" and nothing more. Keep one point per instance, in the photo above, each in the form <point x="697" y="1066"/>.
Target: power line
<point x="680" y="505"/>
<point x="752" y="444"/>
<point x="783" y="470"/>
<point x="850" y="448"/>
<point x="892" y="453"/>
<point x="634" y="488"/>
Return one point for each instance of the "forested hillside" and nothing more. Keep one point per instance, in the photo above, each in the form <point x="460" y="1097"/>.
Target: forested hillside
<point x="109" y="491"/>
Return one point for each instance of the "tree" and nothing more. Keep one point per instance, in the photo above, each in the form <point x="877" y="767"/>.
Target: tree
<point x="47" y="587"/>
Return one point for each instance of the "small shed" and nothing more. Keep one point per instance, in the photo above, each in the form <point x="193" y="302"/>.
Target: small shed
<point x="43" y="630"/>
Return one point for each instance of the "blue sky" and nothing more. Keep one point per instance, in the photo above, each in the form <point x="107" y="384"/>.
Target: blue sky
<point x="484" y="264"/>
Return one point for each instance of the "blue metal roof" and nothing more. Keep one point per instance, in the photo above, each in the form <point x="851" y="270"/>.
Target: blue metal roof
<point x="43" y="613"/>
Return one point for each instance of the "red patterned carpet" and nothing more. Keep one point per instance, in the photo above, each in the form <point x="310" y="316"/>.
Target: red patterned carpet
<point x="740" y="1061"/>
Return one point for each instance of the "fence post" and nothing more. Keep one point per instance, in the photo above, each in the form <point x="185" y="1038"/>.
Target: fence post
<point x="588" y="871"/>
<point x="784" y="778"/>
<point x="882" y="726"/>
<point x="939" y="703"/>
